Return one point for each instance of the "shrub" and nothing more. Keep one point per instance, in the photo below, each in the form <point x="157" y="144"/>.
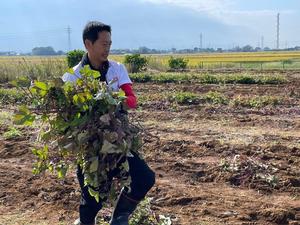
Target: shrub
<point x="256" y="102"/>
<point x="141" y="77"/>
<point x="209" y="79"/>
<point x="136" y="63"/>
<point x="171" y="78"/>
<point x="216" y="98"/>
<point x="74" y="57"/>
<point x="184" y="98"/>
<point x="144" y="215"/>
<point x="275" y="79"/>
<point x="178" y="63"/>
<point x="240" y="79"/>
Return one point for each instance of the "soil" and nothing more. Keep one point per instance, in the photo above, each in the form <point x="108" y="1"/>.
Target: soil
<point x="214" y="164"/>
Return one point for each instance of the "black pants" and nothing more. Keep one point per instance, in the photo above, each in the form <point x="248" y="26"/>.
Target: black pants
<point x="142" y="179"/>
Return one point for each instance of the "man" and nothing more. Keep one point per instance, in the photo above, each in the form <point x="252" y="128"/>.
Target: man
<point x="97" y="41"/>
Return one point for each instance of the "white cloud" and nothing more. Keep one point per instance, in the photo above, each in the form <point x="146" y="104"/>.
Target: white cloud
<point x="211" y="7"/>
<point x="223" y="11"/>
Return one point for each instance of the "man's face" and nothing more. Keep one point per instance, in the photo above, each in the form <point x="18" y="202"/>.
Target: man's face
<point x="101" y="47"/>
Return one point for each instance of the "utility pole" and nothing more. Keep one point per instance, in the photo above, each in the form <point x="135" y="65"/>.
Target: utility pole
<point x="69" y="37"/>
<point x="201" y="41"/>
<point x="278" y="26"/>
<point x="262" y="42"/>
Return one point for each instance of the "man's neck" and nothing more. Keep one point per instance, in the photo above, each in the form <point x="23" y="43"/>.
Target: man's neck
<point x="95" y="63"/>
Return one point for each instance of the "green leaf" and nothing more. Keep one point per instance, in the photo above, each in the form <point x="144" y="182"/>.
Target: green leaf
<point x="82" y="97"/>
<point x="42" y="154"/>
<point x="83" y="137"/>
<point x="121" y="93"/>
<point x="51" y="167"/>
<point x="22" y="81"/>
<point x="75" y="99"/>
<point x="111" y="100"/>
<point x="68" y="87"/>
<point x="37" y="91"/>
<point x="14" y="83"/>
<point x="109" y="148"/>
<point x="85" y="107"/>
<point x="41" y="85"/>
<point x="24" y="116"/>
<point x="46" y="136"/>
<point x="58" y="82"/>
<point x="94" y="193"/>
<point x="79" y="82"/>
<point x="125" y="165"/>
<point x="111" y="136"/>
<point x="96" y="74"/>
<point x="70" y="70"/>
<point x="105" y="119"/>
<point x="24" y="110"/>
<point x="61" y="170"/>
<point x="78" y="121"/>
<point x="94" y="164"/>
<point x="60" y="124"/>
<point x="44" y="118"/>
<point x="88" y="95"/>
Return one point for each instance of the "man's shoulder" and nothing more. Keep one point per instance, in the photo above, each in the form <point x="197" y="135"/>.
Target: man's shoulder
<point x="77" y="68"/>
<point x="73" y="76"/>
<point x="113" y="63"/>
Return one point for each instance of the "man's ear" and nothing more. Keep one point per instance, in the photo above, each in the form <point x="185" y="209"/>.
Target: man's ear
<point x="87" y="43"/>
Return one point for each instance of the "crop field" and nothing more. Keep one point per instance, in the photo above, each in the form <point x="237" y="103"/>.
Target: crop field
<point x="53" y="66"/>
<point x="225" y="146"/>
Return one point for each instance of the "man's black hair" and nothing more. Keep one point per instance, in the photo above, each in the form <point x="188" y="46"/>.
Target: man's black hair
<point x="92" y="29"/>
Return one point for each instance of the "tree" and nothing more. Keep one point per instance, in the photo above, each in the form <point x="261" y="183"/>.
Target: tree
<point x="43" y="51"/>
<point x="74" y="57"/>
<point x="247" y="48"/>
<point x="144" y="50"/>
<point x="178" y="63"/>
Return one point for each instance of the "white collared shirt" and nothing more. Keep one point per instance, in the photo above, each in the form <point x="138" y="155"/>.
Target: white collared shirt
<point x="116" y="71"/>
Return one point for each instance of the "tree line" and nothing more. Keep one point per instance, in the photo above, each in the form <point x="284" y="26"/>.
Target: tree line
<point x="44" y="51"/>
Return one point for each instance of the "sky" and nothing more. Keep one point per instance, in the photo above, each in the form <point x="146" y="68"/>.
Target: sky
<point x="159" y="24"/>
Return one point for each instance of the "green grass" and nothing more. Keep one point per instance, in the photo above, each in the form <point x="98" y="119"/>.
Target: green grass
<point x="211" y="97"/>
<point x="12" y="132"/>
<point x="48" y="67"/>
<point x="256" y="102"/>
<point x="5" y="118"/>
<point x="11" y="96"/>
<point x="45" y="67"/>
<point x="36" y="68"/>
<point x="243" y="78"/>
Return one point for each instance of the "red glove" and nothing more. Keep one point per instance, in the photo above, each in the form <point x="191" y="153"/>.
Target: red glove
<point x="131" y="99"/>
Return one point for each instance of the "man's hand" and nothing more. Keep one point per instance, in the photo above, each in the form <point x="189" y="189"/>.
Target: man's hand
<point x="131" y="99"/>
